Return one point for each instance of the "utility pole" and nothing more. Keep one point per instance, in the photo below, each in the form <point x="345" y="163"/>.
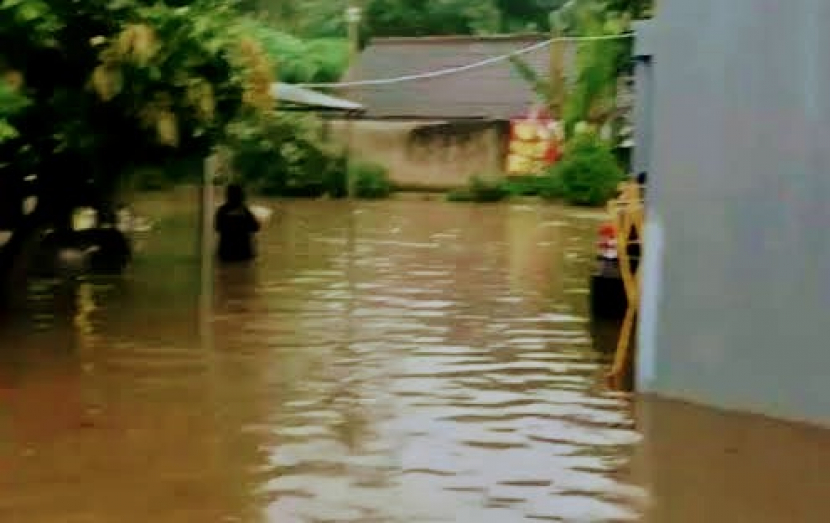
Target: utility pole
<point x="353" y="17"/>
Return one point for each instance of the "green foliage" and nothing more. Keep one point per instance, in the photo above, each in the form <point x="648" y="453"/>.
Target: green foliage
<point x="637" y="9"/>
<point x="551" y="186"/>
<point x="522" y="15"/>
<point x="459" y="195"/>
<point x="112" y="83"/>
<point x="371" y="180"/>
<point x="11" y="101"/>
<point x="430" y="17"/>
<point x="283" y="154"/>
<point x="599" y="64"/>
<point x="325" y="18"/>
<point x="541" y="86"/>
<point x="588" y="172"/>
<point x="297" y="60"/>
<point x="280" y="154"/>
<point x="330" y="57"/>
<point x="337" y="176"/>
<point x="482" y="189"/>
<point x="493" y="189"/>
<point x="592" y="97"/>
<point x="305" y="18"/>
<point x="11" y="104"/>
<point x="546" y="186"/>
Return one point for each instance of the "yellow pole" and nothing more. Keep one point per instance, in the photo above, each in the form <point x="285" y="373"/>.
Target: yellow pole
<point x="628" y="215"/>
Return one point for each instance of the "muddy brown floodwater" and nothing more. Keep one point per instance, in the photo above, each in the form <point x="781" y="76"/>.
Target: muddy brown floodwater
<point x="400" y="361"/>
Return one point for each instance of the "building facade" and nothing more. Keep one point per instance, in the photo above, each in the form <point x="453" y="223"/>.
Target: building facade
<point x="734" y="130"/>
<point x="435" y="133"/>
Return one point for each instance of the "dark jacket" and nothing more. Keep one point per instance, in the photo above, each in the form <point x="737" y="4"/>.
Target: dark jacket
<point x="236" y="226"/>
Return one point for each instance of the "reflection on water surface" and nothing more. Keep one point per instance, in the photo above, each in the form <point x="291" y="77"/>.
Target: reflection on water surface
<point x="384" y="362"/>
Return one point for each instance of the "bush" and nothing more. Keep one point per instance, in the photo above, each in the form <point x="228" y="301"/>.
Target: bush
<point x="301" y="61"/>
<point x="282" y="155"/>
<point x="481" y="189"/>
<point x="523" y="185"/>
<point x="588" y="173"/>
<point x="546" y="186"/>
<point x="459" y="195"/>
<point x="337" y="177"/>
<point x="551" y="187"/>
<point x="371" y="181"/>
<point x="488" y="189"/>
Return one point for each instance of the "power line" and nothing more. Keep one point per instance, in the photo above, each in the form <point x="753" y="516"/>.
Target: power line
<point x="468" y="67"/>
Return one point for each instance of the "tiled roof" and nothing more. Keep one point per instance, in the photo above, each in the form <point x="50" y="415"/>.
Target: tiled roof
<point x="495" y="91"/>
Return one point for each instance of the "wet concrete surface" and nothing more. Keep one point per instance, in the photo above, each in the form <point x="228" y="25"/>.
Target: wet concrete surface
<point x="397" y="361"/>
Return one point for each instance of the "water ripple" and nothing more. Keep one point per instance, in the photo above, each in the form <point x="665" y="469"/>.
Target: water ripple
<point x="431" y="367"/>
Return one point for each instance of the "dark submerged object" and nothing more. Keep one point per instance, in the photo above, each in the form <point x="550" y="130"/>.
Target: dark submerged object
<point x="608" y="299"/>
<point x="100" y="251"/>
<point x="236" y="226"/>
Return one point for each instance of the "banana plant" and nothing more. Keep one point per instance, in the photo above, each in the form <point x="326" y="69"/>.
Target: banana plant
<point x="588" y="98"/>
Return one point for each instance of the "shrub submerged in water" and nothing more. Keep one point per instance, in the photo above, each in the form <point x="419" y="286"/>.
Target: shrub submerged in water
<point x="544" y="185"/>
<point x="588" y="173"/>
<point x="481" y="189"/>
<point x="283" y="155"/>
<point x="371" y="180"/>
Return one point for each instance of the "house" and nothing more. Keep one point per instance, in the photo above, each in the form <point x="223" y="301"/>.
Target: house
<point x="733" y="128"/>
<point x="437" y="132"/>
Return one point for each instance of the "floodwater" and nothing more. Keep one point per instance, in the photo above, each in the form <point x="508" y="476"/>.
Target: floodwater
<point x="403" y="361"/>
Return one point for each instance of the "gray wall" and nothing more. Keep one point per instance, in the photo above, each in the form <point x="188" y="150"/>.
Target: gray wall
<point x="444" y="158"/>
<point x="737" y="283"/>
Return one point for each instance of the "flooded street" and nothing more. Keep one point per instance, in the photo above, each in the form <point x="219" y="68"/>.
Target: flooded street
<point x="402" y="361"/>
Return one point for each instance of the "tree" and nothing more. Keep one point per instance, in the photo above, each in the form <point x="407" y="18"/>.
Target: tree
<point x="325" y="18"/>
<point x="429" y="17"/>
<point x="11" y="103"/>
<point x="592" y="99"/>
<point x="300" y="60"/>
<point x="94" y="86"/>
<point x="517" y="15"/>
<point x="599" y="64"/>
<point x="301" y="18"/>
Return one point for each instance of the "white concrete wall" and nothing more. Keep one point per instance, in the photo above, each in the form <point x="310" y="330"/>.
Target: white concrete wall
<point x="737" y="298"/>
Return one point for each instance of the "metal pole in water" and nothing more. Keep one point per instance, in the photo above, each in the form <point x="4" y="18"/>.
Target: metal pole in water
<point x="211" y="170"/>
<point x="206" y="247"/>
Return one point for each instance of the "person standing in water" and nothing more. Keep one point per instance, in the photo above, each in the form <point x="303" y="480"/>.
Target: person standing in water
<point x="236" y="225"/>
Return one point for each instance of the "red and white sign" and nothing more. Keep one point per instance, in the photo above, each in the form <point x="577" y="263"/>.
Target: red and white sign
<point x="533" y="144"/>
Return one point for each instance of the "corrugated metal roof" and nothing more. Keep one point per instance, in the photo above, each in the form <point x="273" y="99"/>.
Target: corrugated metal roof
<point x="494" y="92"/>
<point x="297" y="95"/>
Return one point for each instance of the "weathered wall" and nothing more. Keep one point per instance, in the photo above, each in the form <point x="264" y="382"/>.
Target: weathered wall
<point x="739" y="292"/>
<point x="427" y="155"/>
